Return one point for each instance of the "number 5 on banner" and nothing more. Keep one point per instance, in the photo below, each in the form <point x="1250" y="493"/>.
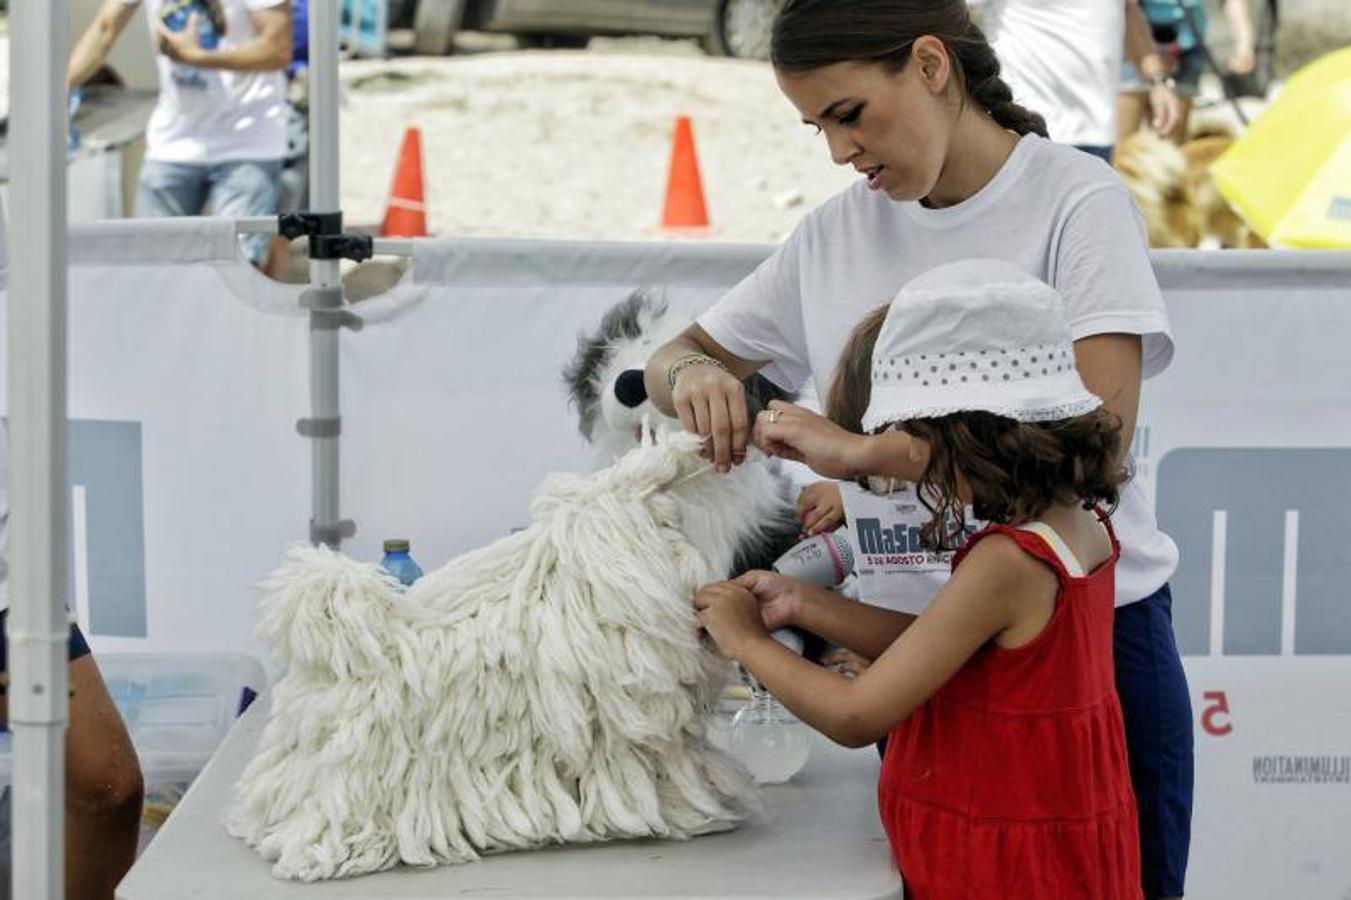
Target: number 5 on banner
<point x="1217" y="705"/>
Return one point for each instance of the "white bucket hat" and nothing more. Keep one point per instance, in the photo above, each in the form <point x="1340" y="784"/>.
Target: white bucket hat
<point x="976" y="335"/>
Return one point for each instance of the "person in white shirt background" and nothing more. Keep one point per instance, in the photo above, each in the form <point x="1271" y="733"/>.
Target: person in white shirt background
<point x="216" y="140"/>
<point x="1063" y="58"/>
<point x="909" y="94"/>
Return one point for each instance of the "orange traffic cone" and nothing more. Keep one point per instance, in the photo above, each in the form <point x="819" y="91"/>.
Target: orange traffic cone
<point x="685" y="207"/>
<point x="406" y="214"/>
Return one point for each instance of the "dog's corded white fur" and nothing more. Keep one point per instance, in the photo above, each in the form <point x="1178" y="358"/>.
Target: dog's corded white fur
<point x="548" y="688"/>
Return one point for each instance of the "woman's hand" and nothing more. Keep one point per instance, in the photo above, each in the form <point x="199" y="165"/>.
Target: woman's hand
<point x="803" y="436"/>
<point x="731" y="615"/>
<point x="711" y="402"/>
<point x="819" y="507"/>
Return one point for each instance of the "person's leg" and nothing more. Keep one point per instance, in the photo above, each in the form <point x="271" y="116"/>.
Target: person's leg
<point x="103" y="782"/>
<point x="1132" y="110"/>
<point x="171" y="189"/>
<point x="104" y="789"/>
<point x="245" y="189"/>
<point x="1156" y="707"/>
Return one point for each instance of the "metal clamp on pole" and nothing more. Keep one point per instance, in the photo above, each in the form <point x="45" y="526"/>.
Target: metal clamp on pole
<point x="307" y="224"/>
<point x="326" y="310"/>
<point x="332" y="537"/>
<point x="327" y="240"/>
<point x="356" y="247"/>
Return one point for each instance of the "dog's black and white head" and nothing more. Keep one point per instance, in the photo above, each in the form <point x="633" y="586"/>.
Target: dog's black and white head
<point x="605" y="384"/>
<point x="605" y="378"/>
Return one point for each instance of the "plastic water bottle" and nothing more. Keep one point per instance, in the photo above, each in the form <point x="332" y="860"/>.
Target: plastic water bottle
<point x="398" y="563"/>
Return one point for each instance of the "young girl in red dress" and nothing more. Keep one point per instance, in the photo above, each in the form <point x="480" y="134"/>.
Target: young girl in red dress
<point x="1005" y="774"/>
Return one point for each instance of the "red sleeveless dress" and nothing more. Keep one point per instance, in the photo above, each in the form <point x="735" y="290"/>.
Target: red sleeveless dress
<point x="1011" y="782"/>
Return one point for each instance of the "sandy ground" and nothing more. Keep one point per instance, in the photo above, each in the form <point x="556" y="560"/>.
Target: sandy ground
<point x="577" y="144"/>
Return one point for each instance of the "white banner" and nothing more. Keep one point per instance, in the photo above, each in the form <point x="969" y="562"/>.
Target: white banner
<point x="1246" y="440"/>
<point x="189" y="371"/>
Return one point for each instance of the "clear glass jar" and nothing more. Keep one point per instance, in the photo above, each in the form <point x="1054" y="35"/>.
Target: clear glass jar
<point x="768" y="739"/>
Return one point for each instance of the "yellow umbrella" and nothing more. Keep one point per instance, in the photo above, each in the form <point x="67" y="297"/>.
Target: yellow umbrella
<point x="1289" y="175"/>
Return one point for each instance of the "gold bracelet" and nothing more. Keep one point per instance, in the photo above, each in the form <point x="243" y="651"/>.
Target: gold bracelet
<point x="684" y="362"/>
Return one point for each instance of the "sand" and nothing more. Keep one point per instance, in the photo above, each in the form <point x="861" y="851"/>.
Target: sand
<point x="577" y="144"/>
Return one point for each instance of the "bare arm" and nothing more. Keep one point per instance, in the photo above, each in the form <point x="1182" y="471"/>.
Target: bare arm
<point x="997" y="589"/>
<point x="866" y="630"/>
<point x="1110" y="366"/>
<point x="1144" y="55"/>
<point x="808" y="437"/>
<point x="1141" y="50"/>
<point x="268" y="51"/>
<point x="96" y="42"/>
<point x="1240" y="22"/>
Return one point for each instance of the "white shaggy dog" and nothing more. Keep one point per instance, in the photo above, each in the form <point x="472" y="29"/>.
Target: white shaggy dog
<point x="548" y="688"/>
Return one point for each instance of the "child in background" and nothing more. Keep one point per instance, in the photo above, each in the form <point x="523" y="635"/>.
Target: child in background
<point x="1006" y="771"/>
<point x="820" y="507"/>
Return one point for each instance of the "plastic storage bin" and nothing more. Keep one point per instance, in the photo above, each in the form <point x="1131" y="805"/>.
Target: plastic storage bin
<point x="177" y="707"/>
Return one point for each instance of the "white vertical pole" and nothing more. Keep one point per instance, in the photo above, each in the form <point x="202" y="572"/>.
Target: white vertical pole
<point x="38" y="625"/>
<point x="324" y="386"/>
<point x="1219" y="549"/>
<point x="1289" y="582"/>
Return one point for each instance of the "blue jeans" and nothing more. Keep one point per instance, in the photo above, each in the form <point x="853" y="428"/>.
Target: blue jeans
<point x="234" y="189"/>
<point x="1156" y="707"/>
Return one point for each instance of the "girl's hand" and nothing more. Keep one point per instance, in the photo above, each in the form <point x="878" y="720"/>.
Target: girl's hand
<point x="711" y="402"/>
<point x="780" y="598"/>
<point x="731" y="615"/>
<point x="820" y="508"/>
<point x="804" y="436"/>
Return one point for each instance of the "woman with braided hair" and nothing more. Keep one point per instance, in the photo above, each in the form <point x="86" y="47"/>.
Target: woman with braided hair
<point x="909" y="94"/>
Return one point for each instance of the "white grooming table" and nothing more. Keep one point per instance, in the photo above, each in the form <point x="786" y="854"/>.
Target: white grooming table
<point x="821" y="837"/>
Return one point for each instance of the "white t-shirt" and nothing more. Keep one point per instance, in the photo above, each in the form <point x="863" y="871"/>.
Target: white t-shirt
<point x="209" y="116"/>
<point x="1059" y="214"/>
<point x="1062" y="58"/>
<point x="893" y="569"/>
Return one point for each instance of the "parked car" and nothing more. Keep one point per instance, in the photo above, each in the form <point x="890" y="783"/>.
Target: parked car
<point x="739" y="28"/>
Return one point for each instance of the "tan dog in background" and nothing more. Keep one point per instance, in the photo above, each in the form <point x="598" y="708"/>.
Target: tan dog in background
<point x="1176" y="194"/>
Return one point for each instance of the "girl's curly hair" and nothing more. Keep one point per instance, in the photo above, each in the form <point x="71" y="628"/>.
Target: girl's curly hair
<point x="1013" y="470"/>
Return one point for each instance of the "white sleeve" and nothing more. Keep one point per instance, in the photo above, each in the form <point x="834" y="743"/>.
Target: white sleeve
<point x="761" y="318"/>
<point x="1102" y="270"/>
<point x="264" y="4"/>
